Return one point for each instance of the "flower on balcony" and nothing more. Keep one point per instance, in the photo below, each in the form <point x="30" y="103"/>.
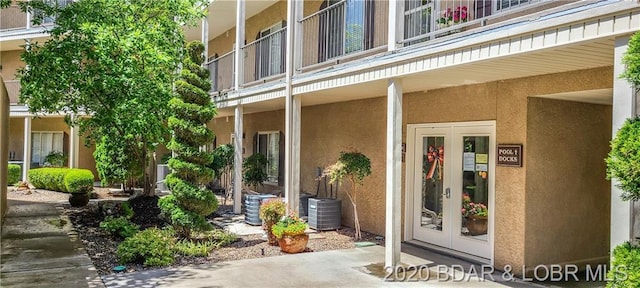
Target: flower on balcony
<point x="450" y="16"/>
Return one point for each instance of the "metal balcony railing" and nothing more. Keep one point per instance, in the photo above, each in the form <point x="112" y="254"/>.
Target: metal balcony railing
<point x="346" y="27"/>
<point x="12" y="18"/>
<point x="222" y="72"/>
<point x="430" y="19"/>
<point x="265" y="57"/>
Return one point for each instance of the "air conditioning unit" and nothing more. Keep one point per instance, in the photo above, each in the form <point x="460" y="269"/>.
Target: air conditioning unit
<point x="325" y="214"/>
<point x="252" y="206"/>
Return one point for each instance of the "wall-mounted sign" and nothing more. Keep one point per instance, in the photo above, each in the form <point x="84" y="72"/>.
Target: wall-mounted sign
<point x="509" y="155"/>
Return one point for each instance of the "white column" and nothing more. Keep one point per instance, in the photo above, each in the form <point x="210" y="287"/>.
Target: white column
<point x="293" y="22"/>
<point x="623" y="108"/>
<point x="26" y="158"/>
<point x="74" y="146"/>
<point x="395" y="24"/>
<point x="237" y="163"/>
<point x="292" y="118"/>
<point x="205" y="39"/>
<point x="239" y="55"/>
<point x="393" y="177"/>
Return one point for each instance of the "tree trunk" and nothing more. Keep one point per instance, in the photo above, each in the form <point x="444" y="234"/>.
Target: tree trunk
<point x="149" y="174"/>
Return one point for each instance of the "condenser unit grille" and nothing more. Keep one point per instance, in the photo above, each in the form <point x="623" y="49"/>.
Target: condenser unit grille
<point x="252" y="206"/>
<point x="325" y="214"/>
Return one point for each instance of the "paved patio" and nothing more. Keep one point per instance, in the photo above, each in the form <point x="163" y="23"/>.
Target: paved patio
<point x="39" y="249"/>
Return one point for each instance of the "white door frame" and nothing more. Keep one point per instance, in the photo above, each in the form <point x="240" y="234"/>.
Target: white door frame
<point x="410" y="177"/>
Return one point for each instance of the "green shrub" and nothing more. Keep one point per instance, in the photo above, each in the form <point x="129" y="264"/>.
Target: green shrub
<point x="253" y="170"/>
<point x="625" y="267"/>
<point x="271" y="210"/>
<point x="55" y="159"/>
<point x="289" y="225"/>
<point x="48" y="178"/>
<point x="126" y="209"/>
<point x="623" y="162"/>
<point x="119" y="226"/>
<point x="153" y="247"/>
<point x="62" y="179"/>
<point x="78" y="181"/>
<point x="192" y="248"/>
<point x="14" y="174"/>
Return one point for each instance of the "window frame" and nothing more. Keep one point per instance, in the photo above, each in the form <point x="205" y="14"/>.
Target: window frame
<point x="271" y="179"/>
<point x="41" y="155"/>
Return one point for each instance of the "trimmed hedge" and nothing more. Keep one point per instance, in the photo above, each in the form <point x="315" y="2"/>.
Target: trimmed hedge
<point x="625" y="267"/>
<point x="62" y="179"/>
<point x="14" y="174"/>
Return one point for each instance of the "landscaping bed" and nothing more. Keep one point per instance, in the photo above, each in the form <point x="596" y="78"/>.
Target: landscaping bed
<point x="102" y="247"/>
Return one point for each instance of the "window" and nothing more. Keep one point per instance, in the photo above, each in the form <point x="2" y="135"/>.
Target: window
<point x="345" y="27"/>
<point x="43" y="143"/>
<point x="270" y="51"/>
<point x="268" y="144"/>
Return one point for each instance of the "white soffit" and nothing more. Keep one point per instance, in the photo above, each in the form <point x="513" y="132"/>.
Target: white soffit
<point x="598" y="96"/>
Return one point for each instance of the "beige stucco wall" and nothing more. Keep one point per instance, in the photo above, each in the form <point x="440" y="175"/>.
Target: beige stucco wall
<point x="10" y="61"/>
<point x="567" y="142"/>
<point x="16" y="139"/>
<point x="328" y="129"/>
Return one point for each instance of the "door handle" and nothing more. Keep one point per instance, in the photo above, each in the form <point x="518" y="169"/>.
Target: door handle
<point x="447" y="193"/>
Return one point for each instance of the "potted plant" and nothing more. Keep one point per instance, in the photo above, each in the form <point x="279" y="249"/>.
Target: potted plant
<point x="354" y="166"/>
<point x="476" y="216"/>
<point x="253" y="169"/>
<point x="271" y="211"/>
<point x="80" y="197"/>
<point x="290" y="234"/>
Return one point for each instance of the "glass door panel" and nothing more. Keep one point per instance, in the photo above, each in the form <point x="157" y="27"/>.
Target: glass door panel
<point x="475" y="186"/>
<point x="432" y="182"/>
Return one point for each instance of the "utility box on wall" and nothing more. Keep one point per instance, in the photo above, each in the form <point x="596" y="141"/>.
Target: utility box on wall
<point x="325" y="214"/>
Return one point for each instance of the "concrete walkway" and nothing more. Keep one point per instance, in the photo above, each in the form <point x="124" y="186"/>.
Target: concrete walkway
<point x="39" y="249"/>
<point x="358" y="267"/>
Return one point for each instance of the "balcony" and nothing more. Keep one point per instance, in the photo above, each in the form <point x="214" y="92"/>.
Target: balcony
<point x="346" y="29"/>
<point x="222" y="72"/>
<point x="428" y="19"/>
<point x="13" y="19"/>
<point x="264" y="58"/>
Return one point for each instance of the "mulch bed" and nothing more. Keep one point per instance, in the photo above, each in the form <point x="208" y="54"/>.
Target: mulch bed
<point x="102" y="248"/>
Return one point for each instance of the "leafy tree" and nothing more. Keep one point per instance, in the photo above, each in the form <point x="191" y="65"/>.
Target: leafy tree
<point x="114" y="60"/>
<point x="254" y="170"/>
<point x="191" y="109"/>
<point x="354" y="166"/>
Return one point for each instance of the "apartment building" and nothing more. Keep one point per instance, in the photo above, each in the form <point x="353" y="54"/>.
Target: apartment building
<point x="521" y="96"/>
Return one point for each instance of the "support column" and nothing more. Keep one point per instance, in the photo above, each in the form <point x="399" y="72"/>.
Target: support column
<point x="26" y="158"/>
<point x="239" y="59"/>
<point x="623" y="108"/>
<point x="237" y="163"/>
<point x="292" y="115"/>
<point x="205" y="39"/>
<point x="395" y="24"/>
<point x="4" y="148"/>
<point x="74" y="145"/>
<point x="394" y="174"/>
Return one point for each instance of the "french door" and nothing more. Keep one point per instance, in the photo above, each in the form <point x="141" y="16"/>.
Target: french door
<point x="451" y="182"/>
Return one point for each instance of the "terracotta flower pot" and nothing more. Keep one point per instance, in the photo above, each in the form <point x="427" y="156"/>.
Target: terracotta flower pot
<point x="477" y="225"/>
<point x="293" y="244"/>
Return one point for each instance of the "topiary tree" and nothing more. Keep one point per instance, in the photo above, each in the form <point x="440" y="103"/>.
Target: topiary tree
<point x="192" y="108"/>
<point x="623" y="162"/>
<point x="354" y="166"/>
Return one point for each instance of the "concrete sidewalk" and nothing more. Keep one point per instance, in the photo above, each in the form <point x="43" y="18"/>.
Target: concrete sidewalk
<point x="39" y="249"/>
<point x="358" y="267"/>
